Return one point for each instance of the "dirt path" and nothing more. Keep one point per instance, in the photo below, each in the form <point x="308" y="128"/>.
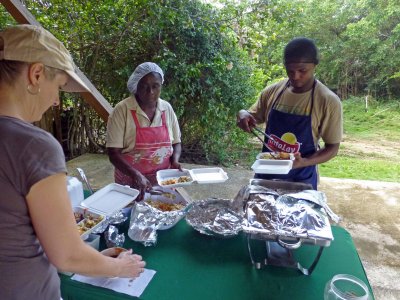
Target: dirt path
<point x="372" y="148"/>
<point x="370" y="211"/>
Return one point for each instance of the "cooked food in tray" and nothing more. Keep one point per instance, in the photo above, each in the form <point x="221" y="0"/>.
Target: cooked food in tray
<point x="179" y="179"/>
<point x="275" y="155"/>
<point x="163" y="206"/>
<point x="87" y="221"/>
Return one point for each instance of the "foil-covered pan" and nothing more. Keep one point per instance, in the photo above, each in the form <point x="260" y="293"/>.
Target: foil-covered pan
<point x="285" y="214"/>
<point x="215" y="217"/>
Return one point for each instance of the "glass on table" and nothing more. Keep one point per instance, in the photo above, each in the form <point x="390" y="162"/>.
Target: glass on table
<point x="346" y="287"/>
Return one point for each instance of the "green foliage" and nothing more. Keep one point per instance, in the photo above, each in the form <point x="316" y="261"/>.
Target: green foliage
<point x="206" y="76"/>
<point x="217" y="60"/>
<point x="358" y="41"/>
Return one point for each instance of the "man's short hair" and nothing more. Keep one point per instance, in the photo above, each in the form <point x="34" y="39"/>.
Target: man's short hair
<point x="300" y="49"/>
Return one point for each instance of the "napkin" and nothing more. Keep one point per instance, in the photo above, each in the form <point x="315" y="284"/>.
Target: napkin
<point x="129" y="286"/>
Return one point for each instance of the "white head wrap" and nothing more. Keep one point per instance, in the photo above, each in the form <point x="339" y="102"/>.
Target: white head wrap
<point x="141" y="71"/>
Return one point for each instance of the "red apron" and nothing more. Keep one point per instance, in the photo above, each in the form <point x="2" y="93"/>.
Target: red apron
<point x="152" y="152"/>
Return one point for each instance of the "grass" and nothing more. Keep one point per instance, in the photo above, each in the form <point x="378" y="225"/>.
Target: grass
<point x="359" y="168"/>
<point x="373" y="148"/>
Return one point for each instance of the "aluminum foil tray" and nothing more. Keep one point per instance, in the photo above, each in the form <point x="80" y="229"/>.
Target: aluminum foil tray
<point x="215" y="217"/>
<point x="285" y="212"/>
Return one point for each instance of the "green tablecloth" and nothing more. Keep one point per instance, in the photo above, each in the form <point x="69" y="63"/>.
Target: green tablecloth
<point x="190" y="266"/>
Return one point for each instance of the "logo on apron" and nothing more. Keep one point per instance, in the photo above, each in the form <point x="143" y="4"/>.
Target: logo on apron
<point x="160" y="155"/>
<point x="286" y="143"/>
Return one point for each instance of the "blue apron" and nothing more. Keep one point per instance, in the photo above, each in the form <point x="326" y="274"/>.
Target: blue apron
<point x="300" y="125"/>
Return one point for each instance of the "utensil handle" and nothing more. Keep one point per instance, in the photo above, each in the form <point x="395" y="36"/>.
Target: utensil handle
<point x="263" y="132"/>
<point x="83" y="176"/>
<point x="262" y="141"/>
<point x="289" y="245"/>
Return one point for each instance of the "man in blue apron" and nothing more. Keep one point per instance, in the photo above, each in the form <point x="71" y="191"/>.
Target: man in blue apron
<point x="298" y="112"/>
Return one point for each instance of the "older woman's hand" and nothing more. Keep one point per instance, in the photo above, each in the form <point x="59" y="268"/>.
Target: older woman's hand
<point x="176" y="165"/>
<point x="141" y="183"/>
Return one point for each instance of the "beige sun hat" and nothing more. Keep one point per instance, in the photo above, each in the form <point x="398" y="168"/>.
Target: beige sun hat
<point x="29" y="43"/>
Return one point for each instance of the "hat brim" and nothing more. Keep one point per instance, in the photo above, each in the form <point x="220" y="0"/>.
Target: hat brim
<point x="75" y="83"/>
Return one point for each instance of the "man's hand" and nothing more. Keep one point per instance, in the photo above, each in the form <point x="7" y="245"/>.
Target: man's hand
<point x="245" y="120"/>
<point x="299" y="161"/>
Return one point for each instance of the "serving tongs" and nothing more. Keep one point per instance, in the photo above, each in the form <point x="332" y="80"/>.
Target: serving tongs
<point x="155" y="192"/>
<point x="253" y="131"/>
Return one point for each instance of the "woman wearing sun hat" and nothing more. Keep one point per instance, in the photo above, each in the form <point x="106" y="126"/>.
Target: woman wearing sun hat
<point x="38" y="232"/>
<point x="143" y="134"/>
<point x="298" y="112"/>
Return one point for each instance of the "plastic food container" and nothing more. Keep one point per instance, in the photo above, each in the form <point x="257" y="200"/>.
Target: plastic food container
<point x="110" y="199"/>
<point x="175" y="177"/>
<point x="271" y="155"/>
<point x="93" y="240"/>
<point x="346" y="287"/>
<point x="87" y="221"/>
<point x="75" y="191"/>
<point x="272" y="166"/>
<point x="105" y="202"/>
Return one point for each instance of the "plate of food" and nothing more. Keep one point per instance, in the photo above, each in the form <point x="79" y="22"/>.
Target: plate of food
<point x="87" y="221"/>
<point x="174" y="177"/>
<point x="275" y="155"/>
<point x="272" y="166"/>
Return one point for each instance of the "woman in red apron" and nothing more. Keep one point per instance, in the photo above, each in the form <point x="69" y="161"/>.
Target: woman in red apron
<point x="153" y="149"/>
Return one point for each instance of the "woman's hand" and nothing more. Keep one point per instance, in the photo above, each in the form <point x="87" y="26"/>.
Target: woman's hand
<point x="141" y="183"/>
<point x="129" y="265"/>
<point x="176" y="165"/>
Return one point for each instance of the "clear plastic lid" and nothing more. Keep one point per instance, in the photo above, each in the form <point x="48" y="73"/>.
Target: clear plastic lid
<point x="346" y="287"/>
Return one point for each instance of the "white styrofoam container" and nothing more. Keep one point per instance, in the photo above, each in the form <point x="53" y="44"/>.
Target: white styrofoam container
<point x="209" y="175"/>
<point x="263" y="154"/>
<point x="163" y="175"/>
<point x="93" y="240"/>
<point x="110" y="199"/>
<point x="75" y="191"/>
<point x="84" y="212"/>
<point x="201" y="176"/>
<point x="272" y="166"/>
